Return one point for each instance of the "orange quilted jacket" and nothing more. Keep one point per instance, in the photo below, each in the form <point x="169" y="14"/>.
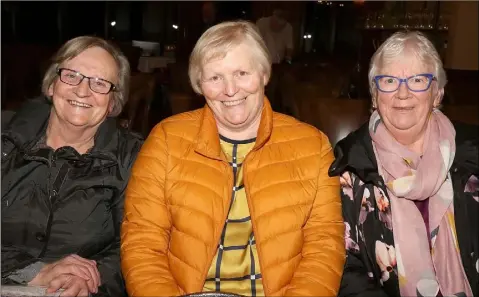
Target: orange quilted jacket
<point x="179" y="193"/>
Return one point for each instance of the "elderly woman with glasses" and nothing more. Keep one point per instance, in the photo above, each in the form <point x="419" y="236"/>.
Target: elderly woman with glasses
<point x="65" y="166"/>
<point x="409" y="182"/>
<point x="233" y="197"/>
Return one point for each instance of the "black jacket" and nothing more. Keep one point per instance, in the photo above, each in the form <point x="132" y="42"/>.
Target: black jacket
<point x="57" y="203"/>
<point x="354" y="154"/>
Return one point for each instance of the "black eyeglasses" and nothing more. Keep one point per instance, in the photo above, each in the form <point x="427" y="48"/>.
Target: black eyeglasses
<point x="74" y="78"/>
<point x="415" y="83"/>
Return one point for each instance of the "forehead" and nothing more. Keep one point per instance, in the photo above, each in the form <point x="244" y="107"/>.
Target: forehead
<point x="404" y="65"/>
<point x="94" y="61"/>
<point x="239" y="57"/>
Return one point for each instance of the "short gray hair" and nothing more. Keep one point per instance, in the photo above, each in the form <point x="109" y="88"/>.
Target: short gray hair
<point x="396" y="45"/>
<point x="221" y="38"/>
<point x="76" y="46"/>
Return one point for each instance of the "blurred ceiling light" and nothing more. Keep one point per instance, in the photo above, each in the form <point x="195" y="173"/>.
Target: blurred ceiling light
<point x="113" y="24"/>
<point x="175" y="27"/>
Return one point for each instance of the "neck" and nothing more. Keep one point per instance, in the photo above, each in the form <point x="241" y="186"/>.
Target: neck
<point x="414" y="143"/>
<point x="241" y="134"/>
<point x="60" y="134"/>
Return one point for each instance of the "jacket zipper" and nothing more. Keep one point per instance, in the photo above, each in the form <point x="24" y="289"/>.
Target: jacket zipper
<point x="248" y="199"/>
<point x="217" y="238"/>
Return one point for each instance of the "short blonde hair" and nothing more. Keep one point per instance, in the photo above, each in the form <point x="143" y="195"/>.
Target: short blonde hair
<point x="396" y="45"/>
<point x="76" y="46"/>
<point x="219" y="39"/>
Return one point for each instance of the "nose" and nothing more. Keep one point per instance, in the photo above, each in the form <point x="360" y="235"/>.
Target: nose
<point x="230" y="87"/>
<point x="403" y="91"/>
<point x="83" y="89"/>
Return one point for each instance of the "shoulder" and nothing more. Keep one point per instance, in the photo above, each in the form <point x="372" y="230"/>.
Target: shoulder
<point x="129" y="145"/>
<point x="287" y="129"/>
<point x="7" y="116"/>
<point x="354" y="152"/>
<point x="183" y="125"/>
<point x="261" y="22"/>
<point x="467" y="145"/>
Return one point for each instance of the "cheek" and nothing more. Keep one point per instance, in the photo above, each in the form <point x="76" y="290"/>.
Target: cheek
<point x="251" y="86"/>
<point x="103" y="100"/>
<point x="384" y="101"/>
<point x="211" y="92"/>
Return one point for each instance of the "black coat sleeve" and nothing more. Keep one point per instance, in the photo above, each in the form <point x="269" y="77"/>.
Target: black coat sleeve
<point x="355" y="281"/>
<point x="108" y="261"/>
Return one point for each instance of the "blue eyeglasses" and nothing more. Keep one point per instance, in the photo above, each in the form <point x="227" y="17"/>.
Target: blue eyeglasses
<point x="415" y="83"/>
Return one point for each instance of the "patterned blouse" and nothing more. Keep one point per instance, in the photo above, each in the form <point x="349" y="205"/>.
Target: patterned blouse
<point x="235" y="267"/>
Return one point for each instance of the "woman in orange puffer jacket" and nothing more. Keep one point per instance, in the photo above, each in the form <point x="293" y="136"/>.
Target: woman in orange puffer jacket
<point x="233" y="197"/>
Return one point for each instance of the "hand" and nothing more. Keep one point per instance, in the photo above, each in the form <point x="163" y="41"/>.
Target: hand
<point x="70" y="265"/>
<point x="72" y="285"/>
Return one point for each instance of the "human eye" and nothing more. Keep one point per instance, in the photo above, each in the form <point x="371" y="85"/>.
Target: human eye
<point x="101" y="83"/>
<point x="69" y="74"/>
<point x="214" y="78"/>
<point x="419" y="79"/>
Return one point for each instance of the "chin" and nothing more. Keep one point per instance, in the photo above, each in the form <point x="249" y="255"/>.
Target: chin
<point x="403" y="126"/>
<point x="77" y="121"/>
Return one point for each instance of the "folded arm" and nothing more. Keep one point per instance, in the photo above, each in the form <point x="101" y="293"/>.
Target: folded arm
<point x="355" y="282"/>
<point x="323" y="255"/>
<point x="147" y="223"/>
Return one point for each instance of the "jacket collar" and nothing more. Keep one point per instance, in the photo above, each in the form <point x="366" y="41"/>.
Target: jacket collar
<point x="355" y="152"/>
<point x="208" y="141"/>
<point x="29" y="124"/>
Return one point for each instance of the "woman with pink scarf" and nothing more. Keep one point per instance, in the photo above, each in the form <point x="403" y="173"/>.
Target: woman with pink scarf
<point x="409" y="183"/>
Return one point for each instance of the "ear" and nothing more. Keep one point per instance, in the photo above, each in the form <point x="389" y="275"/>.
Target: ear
<point x="265" y="80"/>
<point x="374" y="99"/>
<point x="111" y="104"/>
<point x="50" y="90"/>
<point x="438" y="97"/>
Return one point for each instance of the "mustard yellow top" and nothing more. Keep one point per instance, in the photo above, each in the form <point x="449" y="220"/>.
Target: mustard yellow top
<point x="235" y="267"/>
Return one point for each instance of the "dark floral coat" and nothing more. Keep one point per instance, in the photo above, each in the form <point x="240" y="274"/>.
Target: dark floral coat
<point x="371" y="268"/>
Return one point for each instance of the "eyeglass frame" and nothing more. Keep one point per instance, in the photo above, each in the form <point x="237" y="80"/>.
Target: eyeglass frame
<point x="430" y="76"/>
<point x="112" y="87"/>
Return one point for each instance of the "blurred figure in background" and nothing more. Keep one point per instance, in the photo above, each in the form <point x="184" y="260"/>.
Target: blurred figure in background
<point x="278" y="36"/>
<point x="65" y="166"/>
<point x="277" y="33"/>
<point x="209" y="16"/>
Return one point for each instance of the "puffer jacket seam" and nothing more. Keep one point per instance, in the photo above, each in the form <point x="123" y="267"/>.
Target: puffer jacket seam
<point x="281" y="208"/>
<point x="197" y="163"/>
<point x="182" y="261"/>
<point x="280" y="183"/>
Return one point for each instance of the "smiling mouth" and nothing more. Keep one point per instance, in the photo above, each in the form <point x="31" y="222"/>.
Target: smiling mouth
<point x="404" y="108"/>
<point x="79" y="104"/>
<point x="233" y="103"/>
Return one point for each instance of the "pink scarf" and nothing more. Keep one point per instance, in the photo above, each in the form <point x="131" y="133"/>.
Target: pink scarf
<point x="408" y="178"/>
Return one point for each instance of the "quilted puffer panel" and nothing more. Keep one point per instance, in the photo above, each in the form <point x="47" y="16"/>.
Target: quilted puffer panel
<point x="179" y="195"/>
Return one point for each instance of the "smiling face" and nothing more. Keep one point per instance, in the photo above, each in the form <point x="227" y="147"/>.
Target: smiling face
<point x="405" y="113"/>
<point x="234" y="89"/>
<point x="78" y="105"/>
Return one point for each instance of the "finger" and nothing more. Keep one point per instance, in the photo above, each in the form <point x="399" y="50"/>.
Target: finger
<point x="85" y="260"/>
<point x="88" y="264"/>
<point x="58" y="283"/>
<point x="73" y="290"/>
<point x="77" y="270"/>
<point x="91" y="286"/>
<point x="84" y="293"/>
